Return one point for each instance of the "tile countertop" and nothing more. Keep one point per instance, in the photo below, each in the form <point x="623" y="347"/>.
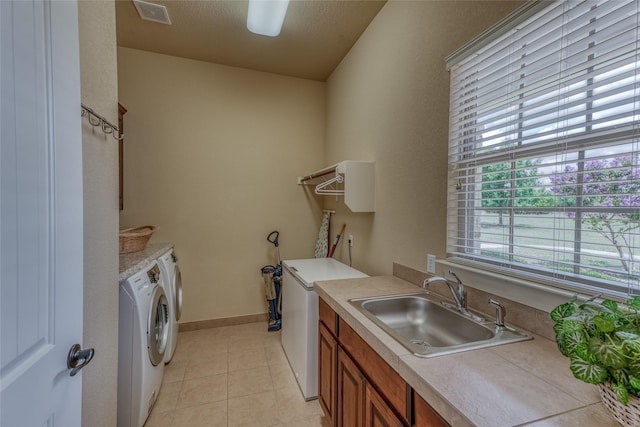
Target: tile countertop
<point x="521" y="384"/>
<point x="133" y="262"/>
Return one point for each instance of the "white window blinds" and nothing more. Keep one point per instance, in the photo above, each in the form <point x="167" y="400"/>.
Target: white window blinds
<point x="543" y="147"/>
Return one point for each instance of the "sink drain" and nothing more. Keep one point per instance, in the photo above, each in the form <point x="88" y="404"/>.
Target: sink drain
<point x="421" y="343"/>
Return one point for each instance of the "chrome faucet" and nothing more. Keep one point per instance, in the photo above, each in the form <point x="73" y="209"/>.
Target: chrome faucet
<point x="459" y="294"/>
<point x="501" y="311"/>
<point x="429" y="280"/>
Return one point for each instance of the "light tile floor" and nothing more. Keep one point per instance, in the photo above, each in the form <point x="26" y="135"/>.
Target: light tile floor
<point x="232" y="376"/>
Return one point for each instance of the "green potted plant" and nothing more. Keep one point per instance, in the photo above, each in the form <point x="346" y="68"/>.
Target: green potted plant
<point x="602" y="340"/>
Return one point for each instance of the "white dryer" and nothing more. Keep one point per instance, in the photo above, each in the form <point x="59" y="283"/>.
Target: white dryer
<point x="172" y="281"/>
<point x="142" y="339"/>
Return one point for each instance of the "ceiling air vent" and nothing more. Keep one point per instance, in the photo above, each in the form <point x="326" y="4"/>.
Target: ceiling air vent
<point x="152" y="12"/>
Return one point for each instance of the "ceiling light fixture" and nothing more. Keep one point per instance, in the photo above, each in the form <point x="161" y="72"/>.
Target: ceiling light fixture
<point x="266" y="17"/>
<point x="152" y="12"/>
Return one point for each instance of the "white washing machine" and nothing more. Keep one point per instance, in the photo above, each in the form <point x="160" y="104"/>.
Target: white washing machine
<point x="300" y="315"/>
<point x="142" y="339"/>
<point x="172" y="281"/>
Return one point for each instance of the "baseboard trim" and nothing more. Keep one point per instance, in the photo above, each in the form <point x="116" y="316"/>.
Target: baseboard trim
<point x="216" y="323"/>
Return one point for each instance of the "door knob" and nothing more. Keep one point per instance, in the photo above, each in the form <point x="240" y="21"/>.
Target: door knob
<point x="78" y="358"/>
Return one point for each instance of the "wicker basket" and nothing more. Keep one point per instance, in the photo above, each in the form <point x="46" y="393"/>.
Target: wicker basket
<point x="627" y="415"/>
<point x="135" y="239"/>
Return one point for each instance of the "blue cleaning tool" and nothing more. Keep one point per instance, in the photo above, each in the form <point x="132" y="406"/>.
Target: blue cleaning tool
<point x="272" y="276"/>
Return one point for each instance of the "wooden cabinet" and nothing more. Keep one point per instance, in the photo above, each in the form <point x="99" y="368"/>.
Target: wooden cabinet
<point x="328" y="317"/>
<point x="351" y="392"/>
<point x="424" y="415"/>
<point x="357" y="388"/>
<point x="392" y="387"/>
<point x="327" y="368"/>
<point x="377" y="412"/>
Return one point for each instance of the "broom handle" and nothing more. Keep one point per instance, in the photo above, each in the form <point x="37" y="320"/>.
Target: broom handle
<point x="335" y="244"/>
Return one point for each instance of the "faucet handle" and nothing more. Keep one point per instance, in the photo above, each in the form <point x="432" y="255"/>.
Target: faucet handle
<point x="456" y="277"/>
<point x="501" y="311"/>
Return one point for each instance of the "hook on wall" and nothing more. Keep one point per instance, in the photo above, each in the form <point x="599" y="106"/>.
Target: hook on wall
<point x="96" y="119"/>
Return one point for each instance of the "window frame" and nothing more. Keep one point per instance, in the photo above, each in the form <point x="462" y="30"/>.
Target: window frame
<point x="465" y="227"/>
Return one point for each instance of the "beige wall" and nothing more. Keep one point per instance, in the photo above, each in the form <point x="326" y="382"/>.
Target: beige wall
<point x="388" y="101"/>
<point x="99" y="91"/>
<point x="211" y="157"/>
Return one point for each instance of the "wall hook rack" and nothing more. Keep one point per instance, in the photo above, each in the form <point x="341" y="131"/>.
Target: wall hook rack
<point x="96" y="120"/>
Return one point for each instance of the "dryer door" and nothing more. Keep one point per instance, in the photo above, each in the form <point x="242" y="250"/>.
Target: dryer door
<point x="157" y="327"/>
<point x="177" y="292"/>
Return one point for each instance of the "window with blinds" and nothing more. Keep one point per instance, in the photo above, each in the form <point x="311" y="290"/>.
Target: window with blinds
<point x="544" y="147"/>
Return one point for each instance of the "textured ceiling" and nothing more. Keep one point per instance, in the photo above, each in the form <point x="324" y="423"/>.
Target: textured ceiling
<point x="316" y="34"/>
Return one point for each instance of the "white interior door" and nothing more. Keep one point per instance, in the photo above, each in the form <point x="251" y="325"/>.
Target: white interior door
<point x="40" y="213"/>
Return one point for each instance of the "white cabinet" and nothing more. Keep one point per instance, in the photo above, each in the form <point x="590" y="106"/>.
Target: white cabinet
<point x="355" y="180"/>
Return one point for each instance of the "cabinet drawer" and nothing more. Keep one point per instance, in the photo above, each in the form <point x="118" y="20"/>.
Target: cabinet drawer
<point x="328" y="317"/>
<point x="379" y="373"/>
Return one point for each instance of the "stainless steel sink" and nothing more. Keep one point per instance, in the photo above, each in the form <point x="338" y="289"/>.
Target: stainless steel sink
<point x="429" y="327"/>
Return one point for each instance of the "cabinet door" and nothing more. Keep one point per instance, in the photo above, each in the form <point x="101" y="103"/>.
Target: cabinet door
<point x="327" y="365"/>
<point x="377" y="412"/>
<point x="351" y="384"/>
<point x="378" y="372"/>
<point x="425" y="416"/>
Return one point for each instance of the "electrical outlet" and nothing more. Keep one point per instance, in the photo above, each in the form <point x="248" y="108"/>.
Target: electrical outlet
<point x="351" y="240"/>
<point x="431" y="263"/>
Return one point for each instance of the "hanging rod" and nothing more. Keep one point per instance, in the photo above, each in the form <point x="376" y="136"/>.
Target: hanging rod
<point x="96" y="119"/>
<point x="318" y="174"/>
